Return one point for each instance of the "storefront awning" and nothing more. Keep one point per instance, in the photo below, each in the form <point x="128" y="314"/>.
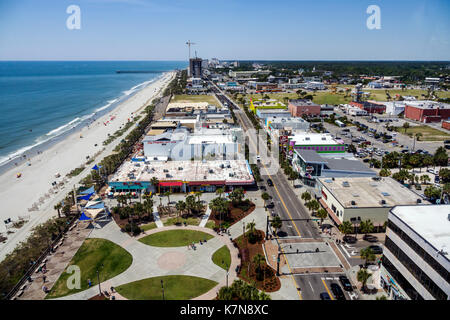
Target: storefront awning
<point x="171" y="184"/>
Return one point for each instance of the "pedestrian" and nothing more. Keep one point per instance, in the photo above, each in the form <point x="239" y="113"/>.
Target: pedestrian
<point x="112" y="289"/>
<point x="89" y="283"/>
<point x="43" y="278"/>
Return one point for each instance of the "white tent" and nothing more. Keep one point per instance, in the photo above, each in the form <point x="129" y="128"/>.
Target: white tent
<point x="93" y="213"/>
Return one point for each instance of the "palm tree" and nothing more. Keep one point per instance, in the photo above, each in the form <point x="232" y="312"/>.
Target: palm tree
<point x="385" y="172"/>
<point x="363" y="276"/>
<point x="180" y="206"/>
<point x="367" y="254"/>
<point x="306" y="196"/>
<point x="219" y="191"/>
<point x="198" y="194"/>
<point x="155" y="182"/>
<point x="405" y="126"/>
<point x="251" y="227"/>
<point x="258" y="260"/>
<point x="148" y="205"/>
<point x="322" y="214"/>
<point x="418" y="135"/>
<point x="190" y="203"/>
<point x="346" y="227"/>
<point x="425" y="178"/>
<point x="277" y="223"/>
<point x="167" y="194"/>
<point x="58" y="207"/>
<point x="366" y="226"/>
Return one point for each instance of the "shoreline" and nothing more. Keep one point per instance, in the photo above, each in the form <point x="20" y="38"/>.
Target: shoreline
<point x="32" y="150"/>
<point x="19" y="194"/>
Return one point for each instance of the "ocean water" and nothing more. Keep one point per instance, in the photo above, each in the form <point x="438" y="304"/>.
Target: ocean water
<point x="41" y="101"/>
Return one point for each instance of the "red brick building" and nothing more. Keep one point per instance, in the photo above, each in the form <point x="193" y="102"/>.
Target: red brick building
<point x="446" y="125"/>
<point x="370" y="107"/>
<point x="300" y="107"/>
<point x="427" y="112"/>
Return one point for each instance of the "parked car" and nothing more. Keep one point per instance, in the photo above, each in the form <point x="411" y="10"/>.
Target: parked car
<point x="269" y="182"/>
<point x="271" y="205"/>
<point x="376" y="249"/>
<point x="345" y="283"/>
<point x="325" y="296"/>
<point x="337" y="291"/>
<point x="370" y="238"/>
<point x="349" y="239"/>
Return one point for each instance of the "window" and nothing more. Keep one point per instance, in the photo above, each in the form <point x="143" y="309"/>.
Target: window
<point x="333" y="208"/>
<point x="420" y="251"/>
<point x="417" y="272"/>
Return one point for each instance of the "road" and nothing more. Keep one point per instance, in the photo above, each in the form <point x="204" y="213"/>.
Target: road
<point x="287" y="206"/>
<point x="314" y="284"/>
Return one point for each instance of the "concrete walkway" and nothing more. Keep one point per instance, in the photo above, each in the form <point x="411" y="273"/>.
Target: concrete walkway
<point x="205" y="217"/>
<point x="156" y="217"/>
<point x="149" y="261"/>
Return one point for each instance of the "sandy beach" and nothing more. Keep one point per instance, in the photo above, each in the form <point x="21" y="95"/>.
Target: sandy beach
<point x="17" y="195"/>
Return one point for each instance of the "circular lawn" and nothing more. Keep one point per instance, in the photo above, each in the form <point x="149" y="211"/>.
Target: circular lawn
<point x="177" y="287"/>
<point x="174" y="238"/>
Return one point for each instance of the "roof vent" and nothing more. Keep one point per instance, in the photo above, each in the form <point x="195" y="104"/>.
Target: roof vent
<point x="383" y="201"/>
<point x="420" y="201"/>
<point x="353" y="203"/>
<point x="345" y="184"/>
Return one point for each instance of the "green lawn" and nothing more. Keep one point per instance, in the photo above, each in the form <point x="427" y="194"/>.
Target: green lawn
<point x="210" y="224"/>
<point x="222" y="254"/>
<point x="174" y="238"/>
<point x="195" y="98"/>
<point x="189" y="221"/>
<point x="428" y="133"/>
<point x="175" y="288"/>
<point x="148" y="226"/>
<point x="89" y="257"/>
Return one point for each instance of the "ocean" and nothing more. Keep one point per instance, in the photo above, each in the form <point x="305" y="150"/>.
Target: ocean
<point x="41" y="101"/>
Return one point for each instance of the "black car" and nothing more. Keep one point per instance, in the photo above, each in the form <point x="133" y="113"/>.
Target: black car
<point x="447" y="146"/>
<point x="370" y="238"/>
<point x="376" y="249"/>
<point x="269" y="182"/>
<point x="346" y="283"/>
<point x="271" y="205"/>
<point x="349" y="239"/>
<point x="262" y="187"/>
<point x="325" y="296"/>
<point x="337" y="291"/>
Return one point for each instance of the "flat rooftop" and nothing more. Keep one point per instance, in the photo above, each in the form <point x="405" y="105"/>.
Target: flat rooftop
<point x="313" y="138"/>
<point x="367" y="192"/>
<point x="428" y="104"/>
<point x="189" y="171"/>
<point x="429" y="221"/>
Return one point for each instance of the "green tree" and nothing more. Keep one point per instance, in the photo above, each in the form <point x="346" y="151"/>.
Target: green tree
<point x="180" y="206"/>
<point x="239" y="290"/>
<point x="366" y="226"/>
<point x="306" y="196"/>
<point x="367" y="254"/>
<point x="251" y="227"/>
<point x="440" y="157"/>
<point x="363" y="276"/>
<point x="58" y="207"/>
<point x="258" y="261"/>
<point x="220" y="192"/>
<point x="276" y="224"/>
<point x="155" y="182"/>
<point x="444" y="175"/>
<point x="322" y="214"/>
<point x="432" y="192"/>
<point x="385" y="172"/>
<point x="405" y="126"/>
<point x="167" y="194"/>
<point x="346" y="227"/>
<point x="237" y="195"/>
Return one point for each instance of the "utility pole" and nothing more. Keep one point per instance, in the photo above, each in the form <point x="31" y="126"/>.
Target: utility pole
<point x="162" y="287"/>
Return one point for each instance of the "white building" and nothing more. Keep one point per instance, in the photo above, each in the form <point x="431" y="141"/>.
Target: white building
<point x="315" y="85"/>
<point x="394" y="108"/>
<point x="415" y="263"/>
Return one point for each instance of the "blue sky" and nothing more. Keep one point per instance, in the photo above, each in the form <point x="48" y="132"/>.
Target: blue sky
<point x="226" y="29"/>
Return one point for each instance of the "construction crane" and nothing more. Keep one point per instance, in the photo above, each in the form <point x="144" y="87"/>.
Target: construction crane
<point x="189" y="43"/>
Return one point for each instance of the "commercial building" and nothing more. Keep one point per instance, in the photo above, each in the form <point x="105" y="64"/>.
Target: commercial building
<point x="394" y="108"/>
<point x="427" y="111"/>
<point x="202" y="144"/>
<point x="300" y="107"/>
<point x="415" y="263"/>
<point x="247" y="74"/>
<point x="356" y="199"/>
<point x="270" y="113"/>
<point x="320" y="142"/>
<point x="181" y="176"/>
<point x="311" y="165"/>
<point x="370" y="107"/>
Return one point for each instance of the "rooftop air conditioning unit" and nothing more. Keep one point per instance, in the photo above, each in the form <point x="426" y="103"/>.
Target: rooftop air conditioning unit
<point x="353" y="203"/>
<point x="419" y="200"/>
<point x="180" y="168"/>
<point x="383" y="202"/>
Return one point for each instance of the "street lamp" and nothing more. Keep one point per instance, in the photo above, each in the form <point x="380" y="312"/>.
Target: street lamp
<point x="243" y="229"/>
<point x="162" y="287"/>
<point x="226" y="264"/>
<point x="98" y="278"/>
